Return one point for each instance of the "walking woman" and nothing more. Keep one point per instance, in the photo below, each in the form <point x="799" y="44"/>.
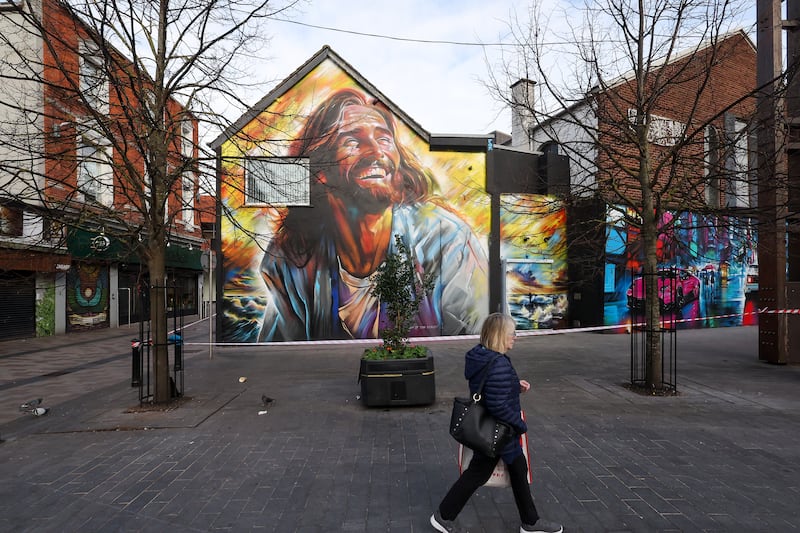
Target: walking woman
<point x="501" y="398"/>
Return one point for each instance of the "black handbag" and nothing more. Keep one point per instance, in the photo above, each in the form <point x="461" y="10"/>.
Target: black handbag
<point x="473" y="426"/>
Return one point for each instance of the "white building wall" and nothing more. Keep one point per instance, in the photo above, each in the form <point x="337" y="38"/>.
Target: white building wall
<point x="21" y="166"/>
<point x="575" y="135"/>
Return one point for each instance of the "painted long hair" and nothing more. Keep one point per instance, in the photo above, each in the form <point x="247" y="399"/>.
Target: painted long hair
<point x="301" y="228"/>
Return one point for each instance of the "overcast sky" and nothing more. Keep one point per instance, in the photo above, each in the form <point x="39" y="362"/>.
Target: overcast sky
<point x="441" y="86"/>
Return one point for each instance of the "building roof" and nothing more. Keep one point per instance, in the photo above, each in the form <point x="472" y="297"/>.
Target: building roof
<point x="326" y="52"/>
<point x="207" y="205"/>
<point x="685" y="54"/>
<point x="620" y="80"/>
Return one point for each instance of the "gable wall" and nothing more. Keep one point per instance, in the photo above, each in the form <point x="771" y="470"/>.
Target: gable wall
<point x="273" y="292"/>
<point x="720" y="80"/>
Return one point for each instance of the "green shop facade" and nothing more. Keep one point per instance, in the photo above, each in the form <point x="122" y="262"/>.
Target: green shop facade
<point x="105" y="285"/>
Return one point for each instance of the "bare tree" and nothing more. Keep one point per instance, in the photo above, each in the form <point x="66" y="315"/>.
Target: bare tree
<point x="639" y="96"/>
<point x="105" y="138"/>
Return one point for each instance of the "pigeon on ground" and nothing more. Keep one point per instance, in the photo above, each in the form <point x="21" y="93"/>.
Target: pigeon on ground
<point x="266" y="400"/>
<point x="40" y="411"/>
<point x="29" y="406"/>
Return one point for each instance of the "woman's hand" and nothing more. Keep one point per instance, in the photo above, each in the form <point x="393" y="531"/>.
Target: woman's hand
<point x="524" y="386"/>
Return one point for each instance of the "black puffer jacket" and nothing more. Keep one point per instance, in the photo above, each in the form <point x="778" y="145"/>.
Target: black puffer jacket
<point x="500" y="393"/>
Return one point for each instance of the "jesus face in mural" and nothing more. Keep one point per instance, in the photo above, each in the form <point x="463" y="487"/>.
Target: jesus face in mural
<point x="367" y="158"/>
<point x="367" y="188"/>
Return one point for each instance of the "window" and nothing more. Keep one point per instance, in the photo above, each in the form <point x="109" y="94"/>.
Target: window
<point x="93" y="81"/>
<point x="147" y="183"/>
<point x="95" y="179"/>
<point x="737" y="192"/>
<point x="54" y="231"/>
<point x="711" y="150"/>
<point x="187" y="195"/>
<point x="147" y="189"/>
<point x="187" y="139"/>
<point x="549" y="147"/>
<point x="662" y="131"/>
<point x="187" y="178"/>
<point x="148" y="103"/>
<point x="10" y="221"/>
<point x="9" y="5"/>
<point x="169" y="179"/>
<point x="19" y="6"/>
<point x="277" y="181"/>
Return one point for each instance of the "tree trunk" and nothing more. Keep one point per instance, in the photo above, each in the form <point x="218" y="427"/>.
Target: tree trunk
<point x="649" y="235"/>
<point x="158" y="324"/>
<point x="653" y="355"/>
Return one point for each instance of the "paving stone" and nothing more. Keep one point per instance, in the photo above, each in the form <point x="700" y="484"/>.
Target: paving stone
<point x="714" y="458"/>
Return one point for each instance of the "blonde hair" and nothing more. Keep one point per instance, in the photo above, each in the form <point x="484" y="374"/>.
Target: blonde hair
<point x="495" y="331"/>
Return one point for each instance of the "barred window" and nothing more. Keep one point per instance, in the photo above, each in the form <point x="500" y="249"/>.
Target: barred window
<point x="662" y="131"/>
<point x="277" y="181"/>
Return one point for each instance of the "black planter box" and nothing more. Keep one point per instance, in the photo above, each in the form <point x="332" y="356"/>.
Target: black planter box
<point x="398" y="382"/>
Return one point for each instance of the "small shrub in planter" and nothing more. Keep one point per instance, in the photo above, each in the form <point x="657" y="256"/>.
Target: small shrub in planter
<point x="400" y="286"/>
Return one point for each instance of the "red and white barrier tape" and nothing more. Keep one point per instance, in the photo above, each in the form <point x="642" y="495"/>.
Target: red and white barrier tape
<point x="780" y="311"/>
<point x="520" y="333"/>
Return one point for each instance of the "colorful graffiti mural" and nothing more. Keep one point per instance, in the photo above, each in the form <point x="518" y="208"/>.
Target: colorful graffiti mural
<point x="302" y="272"/>
<point x="709" y="264"/>
<point x="87" y="296"/>
<point x="533" y="232"/>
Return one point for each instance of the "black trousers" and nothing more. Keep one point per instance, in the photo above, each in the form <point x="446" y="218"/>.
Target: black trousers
<point x="476" y="474"/>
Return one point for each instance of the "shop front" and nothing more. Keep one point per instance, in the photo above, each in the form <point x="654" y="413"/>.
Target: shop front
<point x="126" y="279"/>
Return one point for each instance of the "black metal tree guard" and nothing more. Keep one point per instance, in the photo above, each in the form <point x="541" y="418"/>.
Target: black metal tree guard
<point x="670" y="301"/>
<point x="141" y="349"/>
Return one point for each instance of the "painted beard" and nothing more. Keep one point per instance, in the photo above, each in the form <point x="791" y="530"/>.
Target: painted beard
<point x="374" y="186"/>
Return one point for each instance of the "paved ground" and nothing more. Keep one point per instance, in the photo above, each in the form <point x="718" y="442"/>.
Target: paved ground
<point x="721" y="456"/>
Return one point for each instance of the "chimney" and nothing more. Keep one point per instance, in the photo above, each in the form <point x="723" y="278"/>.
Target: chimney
<point x="522" y="100"/>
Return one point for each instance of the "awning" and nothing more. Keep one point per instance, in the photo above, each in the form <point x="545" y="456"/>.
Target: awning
<point x="180" y="257"/>
<point x="84" y="244"/>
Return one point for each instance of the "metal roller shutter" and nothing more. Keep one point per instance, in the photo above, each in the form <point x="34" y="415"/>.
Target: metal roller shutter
<point x="17" y="304"/>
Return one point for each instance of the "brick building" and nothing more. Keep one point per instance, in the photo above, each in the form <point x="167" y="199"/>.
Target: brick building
<point x="702" y="149"/>
<point x="75" y="178"/>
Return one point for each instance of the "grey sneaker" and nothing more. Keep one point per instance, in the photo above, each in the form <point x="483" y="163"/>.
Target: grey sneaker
<point x="444" y="526"/>
<point x="541" y="526"/>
